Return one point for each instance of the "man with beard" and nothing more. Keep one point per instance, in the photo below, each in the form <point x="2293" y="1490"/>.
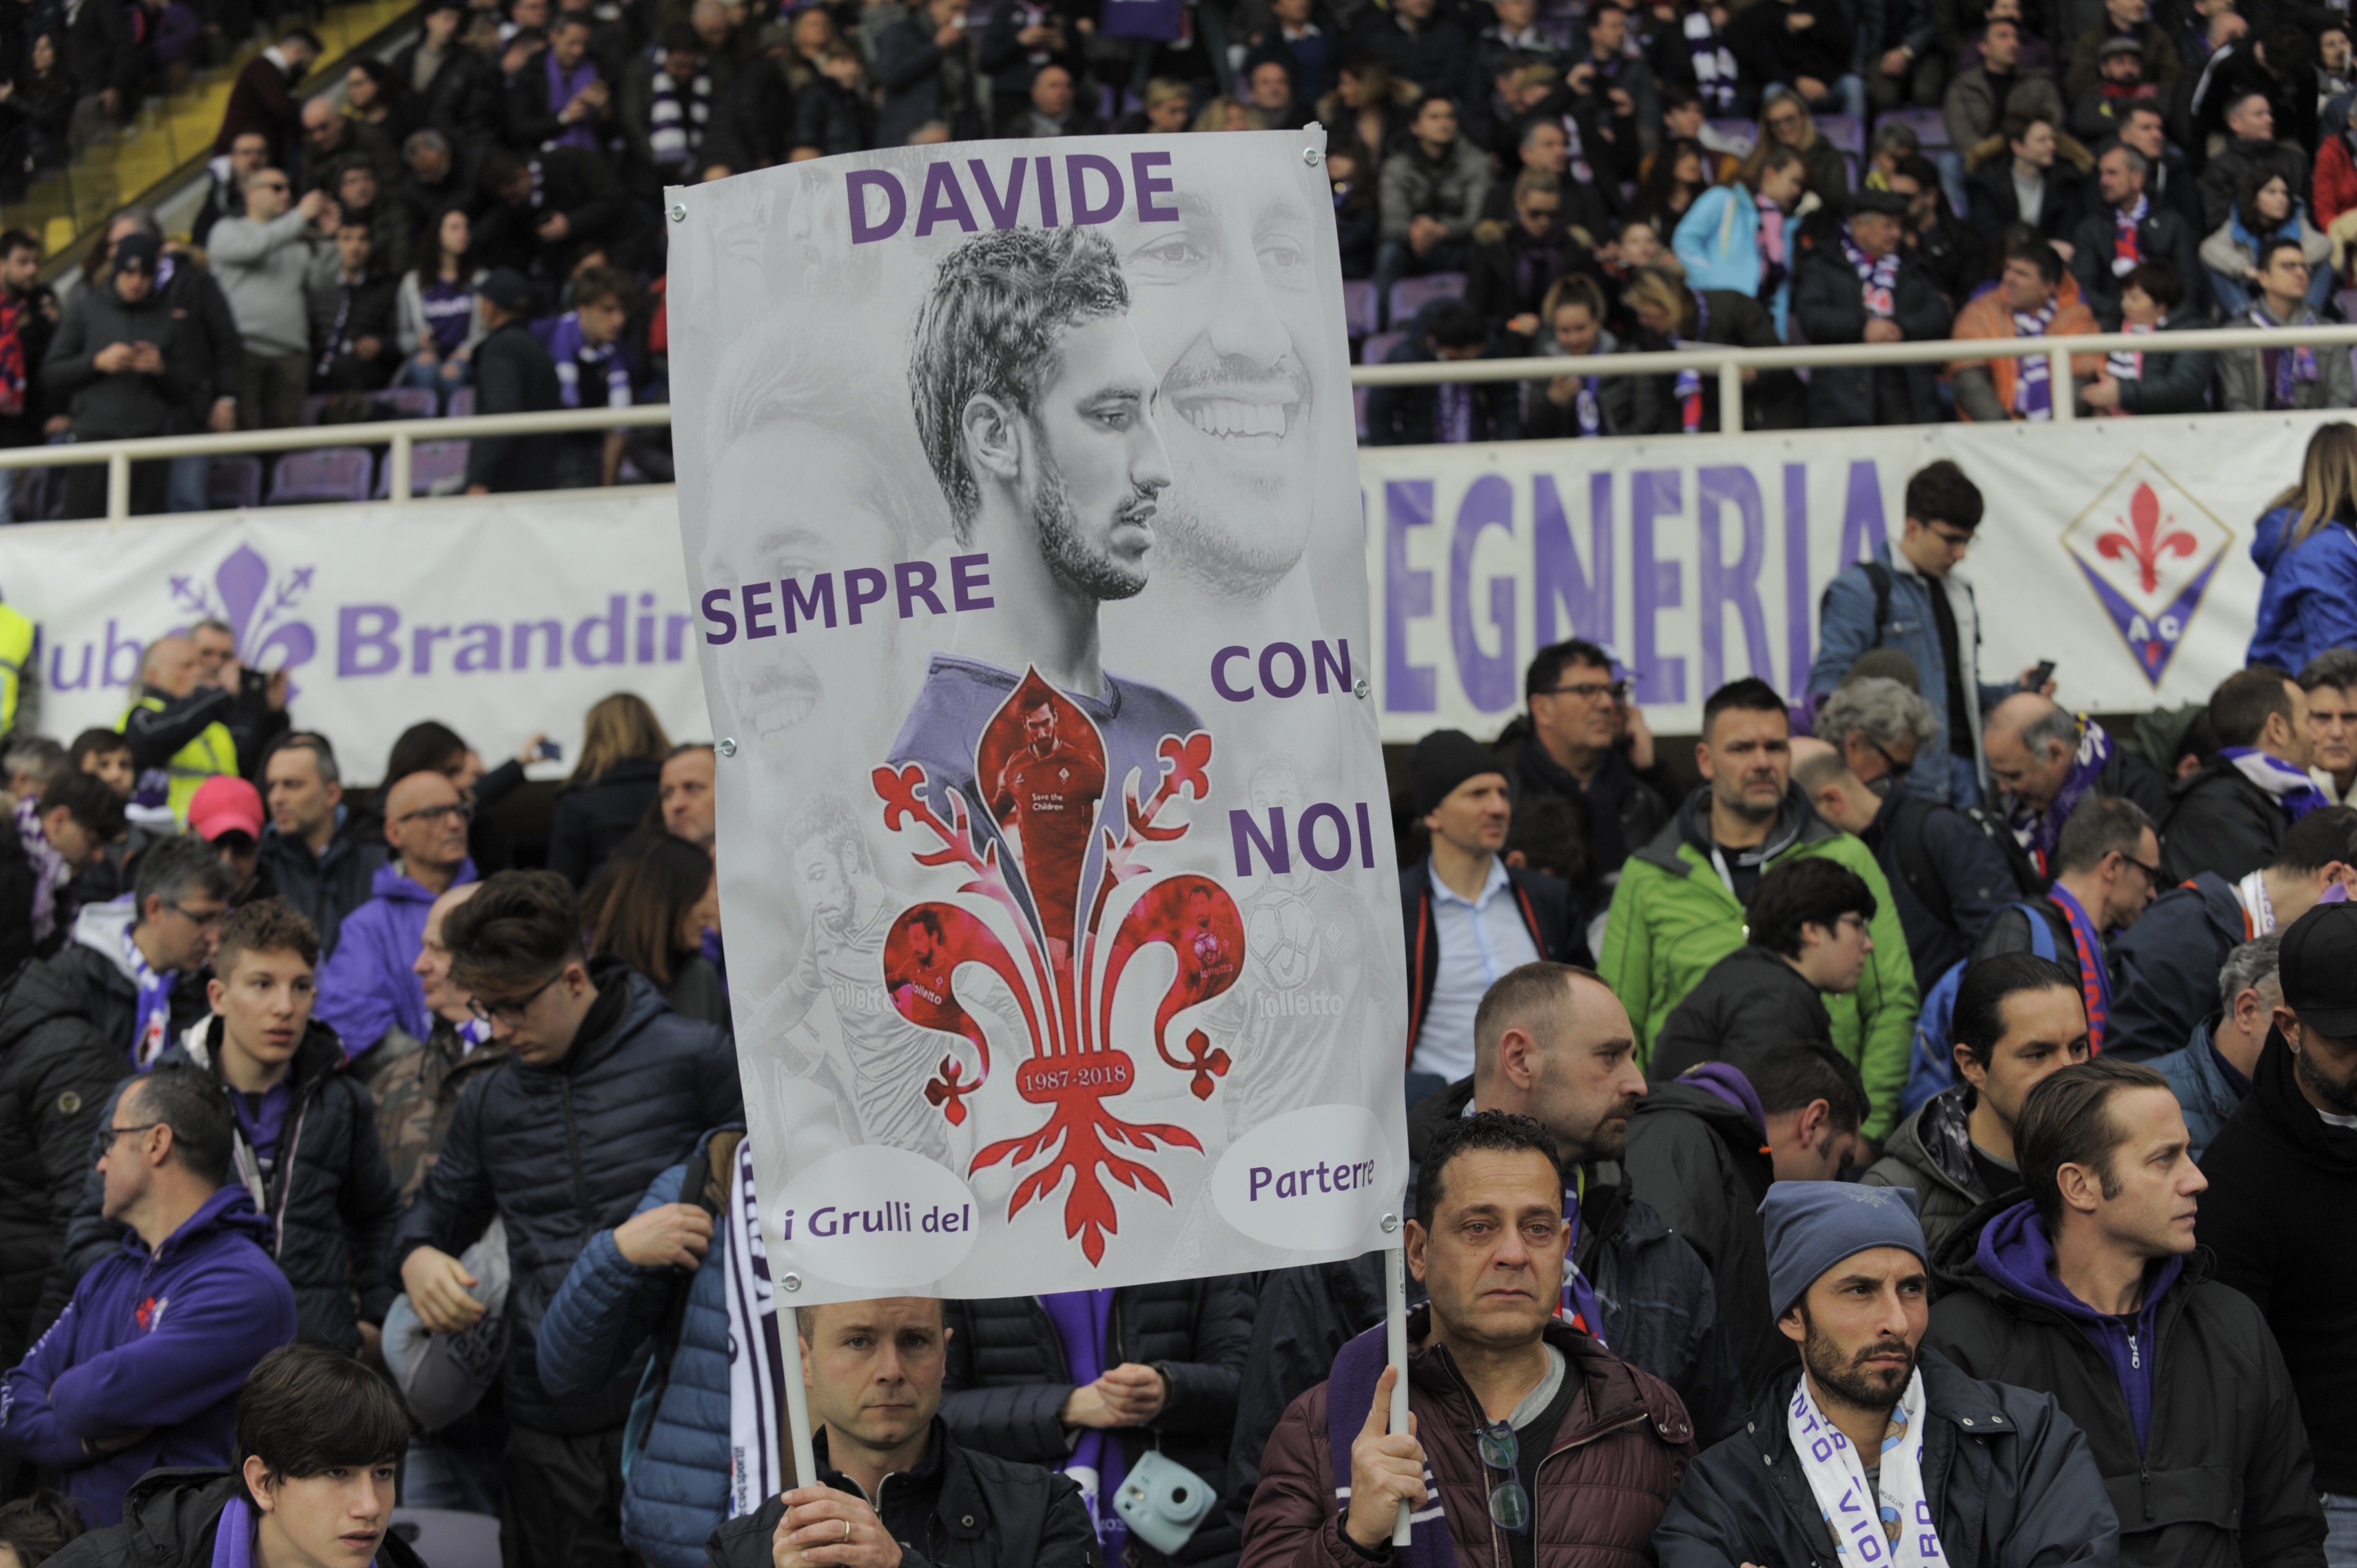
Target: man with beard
<point x="1873" y="1450"/>
<point x="1035" y="406"/>
<point x="2279" y="1169"/>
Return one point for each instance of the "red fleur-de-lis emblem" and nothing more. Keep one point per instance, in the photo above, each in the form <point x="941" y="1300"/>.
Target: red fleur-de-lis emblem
<point x="2143" y="539"/>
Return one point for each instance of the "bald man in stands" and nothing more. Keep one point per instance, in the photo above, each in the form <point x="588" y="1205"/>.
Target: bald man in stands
<point x="177" y="728"/>
<point x="2044" y="761"/>
<point x="370" y="984"/>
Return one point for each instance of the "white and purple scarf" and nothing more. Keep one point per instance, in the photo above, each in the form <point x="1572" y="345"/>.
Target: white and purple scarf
<point x="155" y="1013"/>
<point x="1887" y="1526"/>
<point x="1713" y="62"/>
<point x="1877" y="277"/>
<point x="50" y="872"/>
<point x="757" y="1427"/>
<point x="2293" y="792"/>
<point x="2033" y="387"/>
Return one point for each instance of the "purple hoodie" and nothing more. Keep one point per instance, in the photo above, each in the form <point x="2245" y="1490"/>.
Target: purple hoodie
<point x="164" y="1342"/>
<point x="1728" y="1083"/>
<point x="368" y="985"/>
<point x="2015" y="1252"/>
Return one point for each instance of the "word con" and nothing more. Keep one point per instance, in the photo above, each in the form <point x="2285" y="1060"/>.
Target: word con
<point x="1296" y="1184"/>
<point x="1091" y="192"/>
<point x="893" y="1218"/>
<point x="1276" y="847"/>
<point x="1283" y="670"/>
<point x="765" y="606"/>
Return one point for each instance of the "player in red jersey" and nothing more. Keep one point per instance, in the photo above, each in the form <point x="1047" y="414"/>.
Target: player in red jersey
<point x="1047" y="797"/>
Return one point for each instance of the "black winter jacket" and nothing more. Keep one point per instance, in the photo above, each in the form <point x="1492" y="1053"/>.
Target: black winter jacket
<point x="2218" y="820"/>
<point x="333" y="1205"/>
<point x="57" y="1074"/>
<point x="957" y="1509"/>
<point x="1932" y="1153"/>
<point x="1748" y="1002"/>
<point x="2277" y="1173"/>
<point x="2165" y="967"/>
<point x="2224" y="1481"/>
<point x="592" y="818"/>
<point x="169" y="1520"/>
<point x="562" y="1151"/>
<point x="106" y="405"/>
<point x="1829" y="304"/>
<point x="513" y="375"/>
<point x="1620" y="810"/>
<point x="1009" y="1378"/>
<point x="195" y="298"/>
<point x="2007" y="1476"/>
<point x="327" y="887"/>
<point x="1704" y="1165"/>
<point x="1947" y="891"/>
<point x="111" y="1002"/>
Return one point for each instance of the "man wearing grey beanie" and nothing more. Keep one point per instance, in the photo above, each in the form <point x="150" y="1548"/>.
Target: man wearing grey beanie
<point x="1875" y="1453"/>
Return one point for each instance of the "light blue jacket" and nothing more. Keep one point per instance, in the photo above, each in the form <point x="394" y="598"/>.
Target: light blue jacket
<point x="1846" y="631"/>
<point x="2308" y="602"/>
<point x="2199" y="1080"/>
<point x="602" y="1316"/>
<point x="1718" y="243"/>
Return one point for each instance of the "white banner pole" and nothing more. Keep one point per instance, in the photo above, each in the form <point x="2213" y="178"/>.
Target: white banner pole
<point x="798" y="1421"/>
<point x="1396" y="1333"/>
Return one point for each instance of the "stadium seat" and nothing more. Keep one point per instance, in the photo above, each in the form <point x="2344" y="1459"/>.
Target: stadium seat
<point x="1847" y="132"/>
<point x="233" y="482"/>
<point x="1372" y="351"/>
<point x="1930" y="126"/>
<point x="448" y="1539"/>
<point x="1361" y="310"/>
<point x="411" y="403"/>
<point x="323" y="474"/>
<point x="1412" y="294"/>
<point x="430" y="463"/>
<point x="462" y="403"/>
<point x="1359" y="408"/>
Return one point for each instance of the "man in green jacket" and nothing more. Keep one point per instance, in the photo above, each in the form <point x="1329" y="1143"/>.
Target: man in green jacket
<point x="1679" y="906"/>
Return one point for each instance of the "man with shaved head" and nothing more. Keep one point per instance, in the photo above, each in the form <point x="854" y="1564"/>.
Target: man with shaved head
<point x="371" y="984"/>
<point x="176" y="729"/>
<point x="2044" y="761"/>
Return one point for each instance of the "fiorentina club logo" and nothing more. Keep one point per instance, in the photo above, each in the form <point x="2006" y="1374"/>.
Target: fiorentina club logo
<point x="1040" y="774"/>
<point x="2149" y="550"/>
<point x="261" y="613"/>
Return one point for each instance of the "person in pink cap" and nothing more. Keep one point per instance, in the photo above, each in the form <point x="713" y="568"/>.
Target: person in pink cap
<point x="227" y="813"/>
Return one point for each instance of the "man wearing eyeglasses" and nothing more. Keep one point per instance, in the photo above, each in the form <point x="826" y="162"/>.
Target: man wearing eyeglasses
<point x="1496" y="1384"/>
<point x="1911" y="597"/>
<point x="370" y="985"/>
<point x="606" y="1089"/>
<point x="2106" y="874"/>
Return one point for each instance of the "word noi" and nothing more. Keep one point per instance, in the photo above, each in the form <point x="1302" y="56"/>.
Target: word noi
<point x="1296" y="1184"/>
<point x="942" y="199"/>
<point x="1276" y="846"/>
<point x="893" y="1218"/>
<point x="910" y="583"/>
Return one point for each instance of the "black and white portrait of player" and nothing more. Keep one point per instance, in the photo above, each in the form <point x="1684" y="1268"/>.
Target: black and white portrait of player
<point x="1035" y="408"/>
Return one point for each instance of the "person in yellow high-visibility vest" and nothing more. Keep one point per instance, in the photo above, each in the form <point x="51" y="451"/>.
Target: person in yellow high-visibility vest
<point x="174" y="725"/>
<point x="16" y="653"/>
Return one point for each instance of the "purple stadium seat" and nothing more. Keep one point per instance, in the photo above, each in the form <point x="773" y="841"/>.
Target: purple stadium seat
<point x="430" y="463"/>
<point x="1412" y="294"/>
<point x="1847" y="132"/>
<point x="1372" y="351"/>
<point x="1930" y="126"/>
<point x="1358" y="404"/>
<point x="1739" y="135"/>
<point x="233" y="482"/>
<point x="411" y="403"/>
<point x="322" y="474"/>
<point x="462" y="403"/>
<point x="1361" y="307"/>
<point x="315" y="407"/>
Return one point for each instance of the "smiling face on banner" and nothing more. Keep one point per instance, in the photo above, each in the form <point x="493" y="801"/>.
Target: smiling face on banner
<point x="1062" y="950"/>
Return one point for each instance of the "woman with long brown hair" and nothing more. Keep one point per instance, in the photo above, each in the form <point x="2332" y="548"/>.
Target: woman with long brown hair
<point x="653" y="906"/>
<point x="618" y="778"/>
<point x="2306" y="543"/>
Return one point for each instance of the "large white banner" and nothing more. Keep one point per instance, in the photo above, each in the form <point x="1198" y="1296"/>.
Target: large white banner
<point x="1018" y="496"/>
<point x="501" y="618"/>
<point x="2118" y="548"/>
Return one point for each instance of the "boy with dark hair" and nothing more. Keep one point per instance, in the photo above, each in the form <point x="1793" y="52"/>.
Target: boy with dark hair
<point x="1446" y="331"/>
<point x="2188" y="1390"/>
<point x="320" y="1441"/>
<point x="595" y="369"/>
<point x="1583" y="741"/>
<point x="1804" y="938"/>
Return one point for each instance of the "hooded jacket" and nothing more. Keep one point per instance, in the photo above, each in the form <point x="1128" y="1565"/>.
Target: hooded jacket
<point x="2208" y="1087"/>
<point x="2006" y="1474"/>
<point x="161" y="1341"/>
<point x="563" y="1151"/>
<point x="2308" y="602"/>
<point x="1610" y="1466"/>
<point x="2278" y="1173"/>
<point x="369" y="987"/>
<point x="1674" y="917"/>
<point x="57" y="1073"/>
<point x="2165" y="967"/>
<point x="2188" y="1411"/>
<point x="126" y="402"/>
<point x="1008" y="1377"/>
<point x="329" y="1200"/>
<point x="91" y="963"/>
<point x="1698" y="1153"/>
<point x="2221" y="823"/>
<point x="327" y="887"/>
<point x="1751" y="1000"/>
<point x="171" y="1520"/>
<point x="1931" y="1152"/>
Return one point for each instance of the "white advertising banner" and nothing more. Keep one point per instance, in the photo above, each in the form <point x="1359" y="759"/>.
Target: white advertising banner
<point x="2118" y="548"/>
<point x="500" y="618"/>
<point x="1018" y="496"/>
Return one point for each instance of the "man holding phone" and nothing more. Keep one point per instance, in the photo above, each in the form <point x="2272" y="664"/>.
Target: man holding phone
<point x="1912" y="599"/>
<point x="260" y="716"/>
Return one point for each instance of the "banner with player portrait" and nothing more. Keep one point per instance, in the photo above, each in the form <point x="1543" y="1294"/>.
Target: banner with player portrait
<point x="1020" y="506"/>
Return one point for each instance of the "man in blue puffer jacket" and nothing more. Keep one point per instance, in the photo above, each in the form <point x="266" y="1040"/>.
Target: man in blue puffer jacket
<point x="605" y="1089"/>
<point x="615" y="1300"/>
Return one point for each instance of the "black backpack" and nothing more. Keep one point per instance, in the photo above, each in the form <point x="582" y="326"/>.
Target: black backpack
<point x="1915" y="860"/>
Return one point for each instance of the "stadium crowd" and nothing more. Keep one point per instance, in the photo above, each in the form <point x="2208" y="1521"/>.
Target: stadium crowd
<point x="1918" y="1141"/>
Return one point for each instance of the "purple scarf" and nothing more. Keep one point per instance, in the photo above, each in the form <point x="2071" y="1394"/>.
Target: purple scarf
<point x="2295" y="794"/>
<point x="2039" y="830"/>
<point x="2033" y="386"/>
<point x="2286" y="369"/>
<point x="1350" y="1394"/>
<point x="1453" y="418"/>
<point x="1877" y="277"/>
<point x="1083" y="1319"/>
<point x="233" y="1536"/>
<point x="576" y="360"/>
<point x="563" y="87"/>
<point x="50" y="873"/>
<point x="155" y="1006"/>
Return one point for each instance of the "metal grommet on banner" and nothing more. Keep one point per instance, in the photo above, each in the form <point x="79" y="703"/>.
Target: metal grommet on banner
<point x="1388" y="1223"/>
<point x="728" y="746"/>
<point x="1312" y="156"/>
<point x="790" y="1282"/>
<point x="679" y="211"/>
<point x="1359" y="688"/>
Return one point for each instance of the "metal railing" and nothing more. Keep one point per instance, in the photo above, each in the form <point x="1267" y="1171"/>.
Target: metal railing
<point x="402" y="437"/>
